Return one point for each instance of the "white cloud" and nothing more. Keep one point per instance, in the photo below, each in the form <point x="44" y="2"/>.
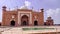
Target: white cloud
<point x="0" y="20"/>
<point x="27" y="3"/>
<point x="51" y="12"/>
<point x="55" y="14"/>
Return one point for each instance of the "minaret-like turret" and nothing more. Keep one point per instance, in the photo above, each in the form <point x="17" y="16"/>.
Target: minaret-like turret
<point x="3" y="15"/>
<point x="42" y="15"/>
<point x="4" y="8"/>
<point x="42" y="10"/>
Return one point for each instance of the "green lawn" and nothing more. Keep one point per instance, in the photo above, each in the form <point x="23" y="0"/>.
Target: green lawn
<point x="37" y="29"/>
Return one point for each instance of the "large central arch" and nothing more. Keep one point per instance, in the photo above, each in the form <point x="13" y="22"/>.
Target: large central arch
<point x="24" y="20"/>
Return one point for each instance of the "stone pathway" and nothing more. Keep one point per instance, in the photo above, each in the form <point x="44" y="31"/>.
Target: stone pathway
<point x="30" y="29"/>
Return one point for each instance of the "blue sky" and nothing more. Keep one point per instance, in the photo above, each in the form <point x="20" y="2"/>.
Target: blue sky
<point x="51" y="7"/>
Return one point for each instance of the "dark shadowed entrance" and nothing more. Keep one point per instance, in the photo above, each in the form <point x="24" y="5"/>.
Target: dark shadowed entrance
<point x="35" y="23"/>
<point x="24" y="20"/>
<point x="12" y="23"/>
<point x="45" y="24"/>
<point x="25" y="23"/>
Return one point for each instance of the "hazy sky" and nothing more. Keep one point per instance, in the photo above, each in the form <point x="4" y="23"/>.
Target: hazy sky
<point x="51" y="7"/>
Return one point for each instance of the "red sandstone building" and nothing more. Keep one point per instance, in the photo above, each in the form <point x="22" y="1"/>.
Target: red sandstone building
<point x="49" y="21"/>
<point x="24" y="17"/>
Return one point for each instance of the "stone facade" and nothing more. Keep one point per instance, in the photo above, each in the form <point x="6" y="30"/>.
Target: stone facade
<point x="22" y="17"/>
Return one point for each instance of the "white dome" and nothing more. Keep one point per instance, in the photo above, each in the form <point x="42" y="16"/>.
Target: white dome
<point x="23" y="7"/>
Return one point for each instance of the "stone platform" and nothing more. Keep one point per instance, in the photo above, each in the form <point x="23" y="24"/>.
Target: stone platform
<point x="30" y="30"/>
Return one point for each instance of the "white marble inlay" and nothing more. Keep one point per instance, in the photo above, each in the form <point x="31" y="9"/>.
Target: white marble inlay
<point x="13" y="16"/>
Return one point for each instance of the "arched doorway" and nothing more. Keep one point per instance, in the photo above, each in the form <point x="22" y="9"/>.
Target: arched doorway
<point x="24" y="20"/>
<point x="35" y="23"/>
<point x="45" y="24"/>
<point x="0" y="24"/>
<point x="12" y="23"/>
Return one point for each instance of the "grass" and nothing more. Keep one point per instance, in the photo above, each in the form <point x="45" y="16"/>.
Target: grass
<point x="37" y="29"/>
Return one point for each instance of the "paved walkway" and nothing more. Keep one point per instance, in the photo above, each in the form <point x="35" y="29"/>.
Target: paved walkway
<point x="29" y="29"/>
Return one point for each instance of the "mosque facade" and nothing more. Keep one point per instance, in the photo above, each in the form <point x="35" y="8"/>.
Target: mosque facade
<point x="24" y="17"/>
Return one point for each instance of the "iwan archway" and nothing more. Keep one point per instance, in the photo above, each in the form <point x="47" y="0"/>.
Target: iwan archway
<point x="24" y="20"/>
